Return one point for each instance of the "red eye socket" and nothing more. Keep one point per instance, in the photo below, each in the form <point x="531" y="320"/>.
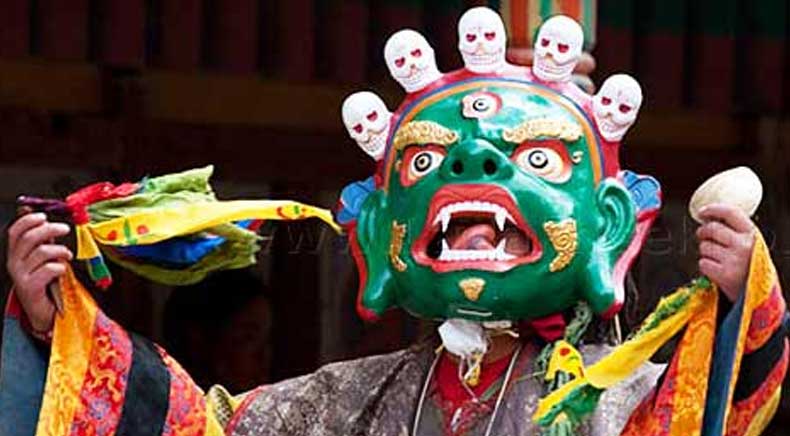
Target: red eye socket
<point x="471" y="37"/>
<point x="624" y="108"/>
<point x="400" y="62"/>
<point x="563" y="48"/>
<point x="490" y="36"/>
<point x="416" y="53"/>
<point x="358" y="128"/>
<point x="419" y="161"/>
<point x="373" y="116"/>
<point x="606" y="101"/>
<point x="545" y="42"/>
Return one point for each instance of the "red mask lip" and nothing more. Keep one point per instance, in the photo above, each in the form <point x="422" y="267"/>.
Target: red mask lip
<point x="465" y="193"/>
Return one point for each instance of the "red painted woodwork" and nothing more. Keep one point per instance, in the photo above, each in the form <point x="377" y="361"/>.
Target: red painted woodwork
<point x="235" y="36"/>
<point x="181" y="28"/>
<point x="712" y="72"/>
<point x="614" y="51"/>
<point x="63" y="29"/>
<point x="15" y="28"/>
<point x="123" y="33"/>
<point x="296" y="39"/>
<point x="763" y="65"/>
<point x="660" y="68"/>
<point x="347" y="40"/>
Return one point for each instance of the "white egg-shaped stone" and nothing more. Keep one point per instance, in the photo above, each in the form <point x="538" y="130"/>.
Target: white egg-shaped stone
<point x="739" y="187"/>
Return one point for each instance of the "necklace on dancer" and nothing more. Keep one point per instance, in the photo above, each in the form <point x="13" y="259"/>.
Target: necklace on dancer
<point x="500" y="397"/>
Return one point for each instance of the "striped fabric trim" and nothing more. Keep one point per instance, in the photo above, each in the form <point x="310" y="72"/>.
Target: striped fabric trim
<point x="186" y="415"/>
<point x="104" y="381"/>
<point x="766" y="319"/>
<point x="751" y="415"/>
<point x="104" y="387"/>
<point x="148" y="392"/>
<point x="731" y="339"/>
<point x="72" y="347"/>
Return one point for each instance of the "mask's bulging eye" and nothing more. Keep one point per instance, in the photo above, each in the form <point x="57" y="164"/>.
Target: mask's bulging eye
<point x="480" y="105"/>
<point x="419" y="162"/>
<point x="422" y="163"/>
<point x="544" y="162"/>
<point x="538" y="159"/>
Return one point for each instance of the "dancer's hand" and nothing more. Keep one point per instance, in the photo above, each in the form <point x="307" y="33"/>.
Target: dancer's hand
<point x="726" y="240"/>
<point x="34" y="261"/>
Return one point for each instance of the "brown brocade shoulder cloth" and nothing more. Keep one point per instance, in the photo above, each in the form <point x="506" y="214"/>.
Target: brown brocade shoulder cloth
<point x="378" y="396"/>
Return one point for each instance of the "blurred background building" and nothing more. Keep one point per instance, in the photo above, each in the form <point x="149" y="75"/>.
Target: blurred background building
<point x="118" y="89"/>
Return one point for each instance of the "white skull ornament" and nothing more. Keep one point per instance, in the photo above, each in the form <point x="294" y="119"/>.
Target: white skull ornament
<point x="482" y="40"/>
<point x="411" y="60"/>
<point x="558" y="48"/>
<point x="368" y="122"/>
<point x="616" y="106"/>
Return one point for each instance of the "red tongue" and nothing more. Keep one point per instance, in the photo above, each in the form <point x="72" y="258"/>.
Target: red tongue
<point x="475" y="237"/>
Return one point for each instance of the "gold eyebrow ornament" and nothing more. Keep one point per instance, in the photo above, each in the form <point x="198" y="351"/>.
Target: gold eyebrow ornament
<point x="543" y="127"/>
<point x="423" y="132"/>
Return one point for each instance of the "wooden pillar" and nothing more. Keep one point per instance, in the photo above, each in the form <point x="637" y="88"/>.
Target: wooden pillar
<point x="15" y="29"/>
<point x="344" y="49"/>
<point x="234" y="35"/>
<point x="660" y="61"/>
<point x="122" y="33"/>
<point x="181" y="27"/>
<point x="63" y="29"/>
<point x="712" y="54"/>
<point x="296" y="39"/>
<point x="615" y="51"/>
<point x="442" y="21"/>
<point x="761" y="60"/>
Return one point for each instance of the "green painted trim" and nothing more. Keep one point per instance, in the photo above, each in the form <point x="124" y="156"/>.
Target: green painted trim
<point x="618" y="14"/>
<point x="714" y="17"/>
<point x="445" y="5"/>
<point x="546" y="9"/>
<point x="665" y="16"/>
<point x="589" y="23"/>
<point x="764" y="18"/>
<point x="404" y="3"/>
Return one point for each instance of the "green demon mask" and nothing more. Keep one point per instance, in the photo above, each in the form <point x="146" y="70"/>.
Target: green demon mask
<point x="493" y="201"/>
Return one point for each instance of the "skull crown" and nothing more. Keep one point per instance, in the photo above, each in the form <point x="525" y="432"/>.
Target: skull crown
<point x="482" y="43"/>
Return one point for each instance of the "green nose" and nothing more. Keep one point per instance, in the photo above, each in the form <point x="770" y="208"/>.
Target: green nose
<point x="475" y="160"/>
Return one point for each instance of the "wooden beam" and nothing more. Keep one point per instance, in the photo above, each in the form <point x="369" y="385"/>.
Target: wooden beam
<point x="243" y="100"/>
<point x="220" y="99"/>
<point x="691" y="130"/>
<point x="59" y="87"/>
